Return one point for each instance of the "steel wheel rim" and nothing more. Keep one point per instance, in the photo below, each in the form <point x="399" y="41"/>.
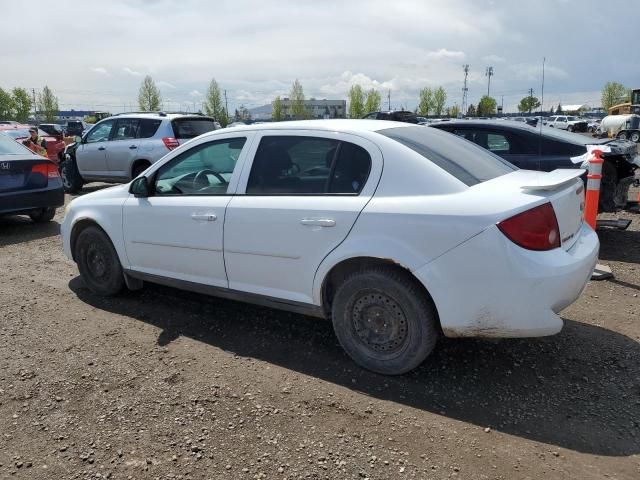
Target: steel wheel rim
<point x="97" y="263"/>
<point x="379" y="322"/>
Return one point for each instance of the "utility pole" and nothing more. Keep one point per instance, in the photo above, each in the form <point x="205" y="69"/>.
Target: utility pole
<point x="389" y="98"/>
<point x="530" y="97"/>
<point x="489" y="73"/>
<point x="35" y="108"/>
<point x="502" y="103"/>
<point x="226" y="104"/>
<point x="465" y="89"/>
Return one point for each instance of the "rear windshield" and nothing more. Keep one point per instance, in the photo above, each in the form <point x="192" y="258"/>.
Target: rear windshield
<point x="461" y="158"/>
<point x="22" y="133"/>
<point x="9" y="146"/>
<point x="192" y="127"/>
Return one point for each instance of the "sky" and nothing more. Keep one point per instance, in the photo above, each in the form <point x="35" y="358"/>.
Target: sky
<point x="94" y="55"/>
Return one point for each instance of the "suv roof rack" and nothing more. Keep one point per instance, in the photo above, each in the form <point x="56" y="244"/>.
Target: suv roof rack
<point x="161" y="113"/>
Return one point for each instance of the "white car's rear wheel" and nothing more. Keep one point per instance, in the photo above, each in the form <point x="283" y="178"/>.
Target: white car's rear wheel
<point x="385" y="321"/>
<point x="635" y="137"/>
<point x="98" y="262"/>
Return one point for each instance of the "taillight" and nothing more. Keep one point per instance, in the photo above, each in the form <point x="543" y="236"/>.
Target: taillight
<point x="48" y="170"/>
<point x="535" y="229"/>
<point x="170" y="143"/>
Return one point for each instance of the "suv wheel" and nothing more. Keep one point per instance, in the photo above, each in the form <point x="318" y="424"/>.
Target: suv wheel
<point x="43" y="215"/>
<point x="570" y="128"/>
<point x="384" y="321"/>
<point x="98" y="262"/>
<point x="71" y="179"/>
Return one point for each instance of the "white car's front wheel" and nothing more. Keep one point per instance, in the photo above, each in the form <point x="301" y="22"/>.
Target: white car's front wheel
<point x="98" y="262"/>
<point x="385" y="321"/>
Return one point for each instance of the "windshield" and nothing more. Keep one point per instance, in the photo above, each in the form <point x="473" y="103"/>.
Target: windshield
<point x="572" y="119"/>
<point x="461" y="158"/>
<point x="9" y="146"/>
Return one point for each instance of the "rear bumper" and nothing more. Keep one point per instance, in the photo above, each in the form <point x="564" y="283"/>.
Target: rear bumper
<point x="28" y="200"/>
<point x="490" y="287"/>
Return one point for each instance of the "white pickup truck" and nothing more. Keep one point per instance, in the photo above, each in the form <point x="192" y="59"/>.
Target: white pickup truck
<point x="567" y="122"/>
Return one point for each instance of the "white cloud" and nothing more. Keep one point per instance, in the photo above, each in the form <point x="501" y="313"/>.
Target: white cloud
<point x="100" y="70"/>
<point x="131" y="72"/>
<point x="443" y="54"/>
<point x="162" y="83"/>
<point x="195" y="93"/>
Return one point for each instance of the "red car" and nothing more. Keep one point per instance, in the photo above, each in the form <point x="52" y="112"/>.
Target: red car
<point x="55" y="144"/>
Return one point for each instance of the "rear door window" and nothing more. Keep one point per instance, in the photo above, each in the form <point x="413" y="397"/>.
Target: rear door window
<point x="297" y="165"/>
<point x="191" y="127"/>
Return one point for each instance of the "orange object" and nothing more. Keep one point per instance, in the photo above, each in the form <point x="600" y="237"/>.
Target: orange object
<point x="593" y="188"/>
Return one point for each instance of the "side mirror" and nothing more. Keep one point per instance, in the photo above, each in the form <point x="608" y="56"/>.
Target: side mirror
<point x="140" y="187"/>
<point x="78" y="139"/>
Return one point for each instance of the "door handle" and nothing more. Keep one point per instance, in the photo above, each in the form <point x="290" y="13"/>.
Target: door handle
<point x="204" y="217"/>
<point x="102" y="148"/>
<point x="132" y="147"/>
<point x="318" y="222"/>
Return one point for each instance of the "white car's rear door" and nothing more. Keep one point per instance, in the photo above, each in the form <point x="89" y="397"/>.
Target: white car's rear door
<point x="297" y="201"/>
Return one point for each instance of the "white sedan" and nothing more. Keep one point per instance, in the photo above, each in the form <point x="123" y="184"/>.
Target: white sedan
<point x="396" y="232"/>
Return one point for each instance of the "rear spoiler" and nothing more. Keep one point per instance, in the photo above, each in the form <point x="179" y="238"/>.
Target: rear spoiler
<point x="555" y="179"/>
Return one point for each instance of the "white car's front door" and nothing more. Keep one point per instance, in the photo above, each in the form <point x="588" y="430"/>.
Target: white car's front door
<point x="177" y="232"/>
<point x="296" y="203"/>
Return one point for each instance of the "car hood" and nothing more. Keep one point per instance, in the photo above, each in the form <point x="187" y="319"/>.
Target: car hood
<point x="115" y="192"/>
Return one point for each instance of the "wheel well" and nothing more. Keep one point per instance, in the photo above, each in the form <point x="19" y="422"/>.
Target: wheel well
<point x="340" y="272"/>
<point x="77" y="229"/>
<point x="138" y="163"/>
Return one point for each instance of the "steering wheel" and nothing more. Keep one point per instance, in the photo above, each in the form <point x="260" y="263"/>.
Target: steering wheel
<point x="201" y="176"/>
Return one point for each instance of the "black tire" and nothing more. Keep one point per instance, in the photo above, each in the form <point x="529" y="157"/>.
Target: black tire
<point x="98" y="262"/>
<point x="622" y="136"/>
<point x="401" y="325"/>
<point x="71" y="179"/>
<point x="635" y="137"/>
<point x="43" y="215"/>
<point x="138" y="169"/>
<point x="570" y="128"/>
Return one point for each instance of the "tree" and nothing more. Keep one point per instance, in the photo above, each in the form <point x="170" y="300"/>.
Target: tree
<point x="559" y="109"/>
<point x="22" y="104"/>
<point x="6" y="105"/>
<point x="48" y="104"/>
<point x="372" y="104"/>
<point x="614" y="93"/>
<point x="454" y="111"/>
<point x="298" y="108"/>
<point x="528" y="103"/>
<point x="276" y="109"/>
<point x="356" y="102"/>
<point x="471" y="111"/>
<point x="487" y="106"/>
<point x="213" y="105"/>
<point x="439" y="99"/>
<point x="242" y="114"/>
<point x="149" y="97"/>
<point x="426" y="102"/>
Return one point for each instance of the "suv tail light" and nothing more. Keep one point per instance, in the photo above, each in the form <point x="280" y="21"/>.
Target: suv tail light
<point x="170" y="143"/>
<point x="49" y="170"/>
<point x="535" y="229"/>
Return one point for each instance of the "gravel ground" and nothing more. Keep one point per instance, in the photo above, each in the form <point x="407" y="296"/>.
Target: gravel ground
<point x="164" y="384"/>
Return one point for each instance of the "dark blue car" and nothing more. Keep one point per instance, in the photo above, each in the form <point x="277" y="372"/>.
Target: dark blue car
<point x="29" y="184"/>
<point x="545" y="149"/>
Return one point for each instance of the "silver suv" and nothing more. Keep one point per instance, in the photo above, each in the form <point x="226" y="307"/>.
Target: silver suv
<point x="119" y="148"/>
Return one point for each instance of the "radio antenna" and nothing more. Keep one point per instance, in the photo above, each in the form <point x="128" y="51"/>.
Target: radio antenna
<point x="544" y="59"/>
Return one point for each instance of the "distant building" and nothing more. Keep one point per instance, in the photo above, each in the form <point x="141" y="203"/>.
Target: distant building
<point x="65" y="115"/>
<point x="318" y="108"/>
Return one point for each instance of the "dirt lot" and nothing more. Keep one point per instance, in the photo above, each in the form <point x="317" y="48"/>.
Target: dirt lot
<point x="164" y="384"/>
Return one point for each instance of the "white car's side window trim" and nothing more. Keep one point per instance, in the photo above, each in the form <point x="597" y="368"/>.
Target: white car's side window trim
<point x="372" y="149"/>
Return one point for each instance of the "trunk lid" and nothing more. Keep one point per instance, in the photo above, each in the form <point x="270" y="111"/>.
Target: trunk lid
<point x="16" y="175"/>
